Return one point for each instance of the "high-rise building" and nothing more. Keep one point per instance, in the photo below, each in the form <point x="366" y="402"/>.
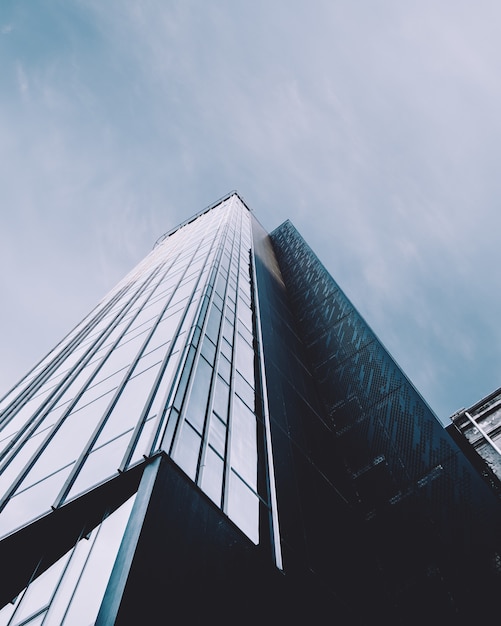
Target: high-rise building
<point x="223" y="439"/>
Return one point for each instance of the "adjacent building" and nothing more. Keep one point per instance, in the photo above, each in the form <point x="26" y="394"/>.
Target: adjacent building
<point x="224" y="439"/>
<point x="478" y="431"/>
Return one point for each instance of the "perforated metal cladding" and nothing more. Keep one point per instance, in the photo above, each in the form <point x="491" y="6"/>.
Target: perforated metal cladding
<point x="393" y="445"/>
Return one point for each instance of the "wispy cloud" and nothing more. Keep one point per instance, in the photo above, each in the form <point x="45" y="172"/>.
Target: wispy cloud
<point x="375" y="129"/>
<point x="22" y="79"/>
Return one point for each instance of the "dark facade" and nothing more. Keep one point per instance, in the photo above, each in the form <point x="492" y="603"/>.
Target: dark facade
<point x="224" y="439"/>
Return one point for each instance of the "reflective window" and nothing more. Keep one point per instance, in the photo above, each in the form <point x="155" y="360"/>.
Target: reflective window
<point x="187" y="450"/>
<point x="100" y="464"/>
<point x="244" y="442"/>
<point x="221" y="399"/>
<point x="212" y="475"/>
<point x="197" y="405"/>
<point x="243" y="507"/>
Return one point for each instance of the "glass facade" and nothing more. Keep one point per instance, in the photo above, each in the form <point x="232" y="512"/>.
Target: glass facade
<point x="223" y="434"/>
<point x="166" y="363"/>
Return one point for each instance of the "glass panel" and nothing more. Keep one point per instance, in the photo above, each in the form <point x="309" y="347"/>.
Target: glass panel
<point x="226" y="349"/>
<point x="85" y="604"/>
<point x="208" y="350"/>
<point x="32" y="502"/>
<point x="129" y="406"/>
<point x="100" y="464"/>
<point x="125" y="353"/>
<point x="221" y="399"/>
<point x="69" y="440"/>
<point x="224" y="367"/>
<point x="20" y="460"/>
<point x="80" y="595"/>
<point x="149" y="360"/>
<point x="165" y="331"/>
<point x="212" y="329"/>
<point x="245" y="316"/>
<point x="35" y="621"/>
<point x="212" y="476"/>
<point x="182" y="293"/>
<point x="144" y="442"/>
<point x="228" y="330"/>
<point x="150" y="313"/>
<point x="22" y="416"/>
<point x="246" y="334"/>
<point x="197" y="405"/>
<point x="172" y="420"/>
<point x="244" y="391"/>
<point x="244" y="442"/>
<point x="59" y="604"/>
<point x="217" y="434"/>
<point x="183" y="380"/>
<point x="103" y="386"/>
<point x="158" y="403"/>
<point x="39" y="593"/>
<point x="187" y="450"/>
<point x="220" y="285"/>
<point x="6" y="613"/>
<point x="107" y="378"/>
<point x="243" y="508"/>
<point x="218" y="301"/>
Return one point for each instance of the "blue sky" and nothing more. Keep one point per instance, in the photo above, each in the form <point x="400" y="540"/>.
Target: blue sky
<point x="373" y="126"/>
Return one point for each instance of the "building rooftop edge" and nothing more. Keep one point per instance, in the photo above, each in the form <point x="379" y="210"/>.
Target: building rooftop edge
<point x="206" y="209"/>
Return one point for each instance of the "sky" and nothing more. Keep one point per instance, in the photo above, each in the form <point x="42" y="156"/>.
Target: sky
<point x="375" y="127"/>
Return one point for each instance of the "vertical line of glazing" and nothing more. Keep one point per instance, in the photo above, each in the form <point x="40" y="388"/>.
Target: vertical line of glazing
<point x="39" y="380"/>
<point x="82" y="330"/>
<point x="90" y="444"/>
<point x="270" y="471"/>
<point x="200" y="316"/>
<point x="28" y="466"/>
<point x="229" y="246"/>
<point x="51" y="401"/>
<point x="227" y="456"/>
<point x="81" y="573"/>
<point x="193" y="349"/>
<point x="169" y="422"/>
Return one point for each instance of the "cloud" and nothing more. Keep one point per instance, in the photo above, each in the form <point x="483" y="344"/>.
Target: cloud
<point x="22" y="79"/>
<point x="375" y="129"/>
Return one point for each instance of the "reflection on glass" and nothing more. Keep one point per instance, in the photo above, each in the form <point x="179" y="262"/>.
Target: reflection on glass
<point x="66" y="445"/>
<point x="244" y="390"/>
<point x="143" y="445"/>
<point x="85" y="603"/>
<point x="217" y="434"/>
<point x="187" y="450"/>
<point x="129" y="406"/>
<point x="221" y="398"/>
<point x="224" y="367"/>
<point x="101" y="464"/>
<point x="33" y="502"/>
<point x="37" y="596"/>
<point x="212" y="475"/>
<point x="244" y="442"/>
<point x="243" y="507"/>
<point x="197" y="405"/>
<point x="177" y="295"/>
<point x="20" y="460"/>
